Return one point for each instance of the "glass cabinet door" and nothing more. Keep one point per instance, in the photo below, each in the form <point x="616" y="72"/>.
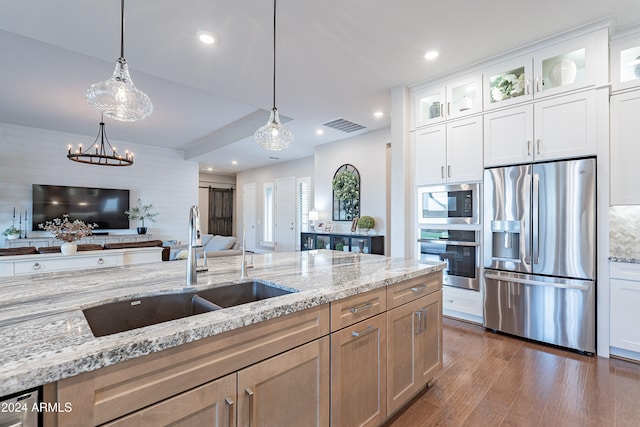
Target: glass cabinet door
<point x="323" y="241"/>
<point x="360" y="244"/>
<point x="575" y="64"/>
<point x="464" y="97"/>
<point x="340" y="243"/>
<point x="428" y="106"/>
<point x="508" y="83"/>
<point x="625" y="62"/>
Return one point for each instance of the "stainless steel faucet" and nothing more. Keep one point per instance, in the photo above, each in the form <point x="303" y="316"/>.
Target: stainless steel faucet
<point x="244" y="266"/>
<point x="194" y="242"/>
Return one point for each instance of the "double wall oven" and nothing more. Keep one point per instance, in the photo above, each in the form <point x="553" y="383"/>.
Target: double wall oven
<point x="449" y="230"/>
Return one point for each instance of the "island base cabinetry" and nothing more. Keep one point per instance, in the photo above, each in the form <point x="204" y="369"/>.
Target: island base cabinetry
<point x="414" y="348"/>
<point x="358" y="374"/>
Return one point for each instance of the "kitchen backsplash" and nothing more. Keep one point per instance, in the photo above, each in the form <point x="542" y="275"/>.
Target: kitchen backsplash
<point x="624" y="231"/>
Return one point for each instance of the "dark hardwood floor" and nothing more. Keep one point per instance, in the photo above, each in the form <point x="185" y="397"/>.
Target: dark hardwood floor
<point x="495" y="380"/>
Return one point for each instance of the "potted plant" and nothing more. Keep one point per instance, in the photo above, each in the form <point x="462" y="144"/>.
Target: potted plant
<point x="12" y="233"/>
<point x="141" y="212"/>
<point x="366" y="223"/>
<point x="68" y="232"/>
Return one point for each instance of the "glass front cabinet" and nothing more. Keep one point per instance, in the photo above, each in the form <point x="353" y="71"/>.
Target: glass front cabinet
<point x="343" y="242"/>
<point x="625" y="62"/>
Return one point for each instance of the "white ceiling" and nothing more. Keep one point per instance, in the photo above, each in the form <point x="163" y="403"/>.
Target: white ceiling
<point x="336" y="59"/>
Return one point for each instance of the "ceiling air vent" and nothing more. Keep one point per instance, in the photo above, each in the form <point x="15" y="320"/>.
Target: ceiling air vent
<point x="344" y="125"/>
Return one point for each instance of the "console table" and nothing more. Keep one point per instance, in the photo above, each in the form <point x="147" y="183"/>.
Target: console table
<point x="96" y="239"/>
<point x="342" y="242"/>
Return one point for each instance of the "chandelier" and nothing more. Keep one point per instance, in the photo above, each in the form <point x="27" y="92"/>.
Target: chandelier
<point x="117" y="97"/>
<point x="274" y="136"/>
<point x="99" y="154"/>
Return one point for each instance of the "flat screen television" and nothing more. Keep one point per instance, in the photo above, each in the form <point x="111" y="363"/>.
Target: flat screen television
<point x="103" y="206"/>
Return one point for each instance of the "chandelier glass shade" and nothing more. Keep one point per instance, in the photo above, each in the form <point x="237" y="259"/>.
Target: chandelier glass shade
<point x="274" y="135"/>
<point x="100" y="152"/>
<point x="117" y="97"/>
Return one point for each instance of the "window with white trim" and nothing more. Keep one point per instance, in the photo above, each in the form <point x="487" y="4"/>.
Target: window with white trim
<point x="267" y="236"/>
<point x="303" y="196"/>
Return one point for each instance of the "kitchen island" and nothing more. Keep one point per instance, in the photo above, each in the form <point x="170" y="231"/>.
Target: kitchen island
<point x="46" y="338"/>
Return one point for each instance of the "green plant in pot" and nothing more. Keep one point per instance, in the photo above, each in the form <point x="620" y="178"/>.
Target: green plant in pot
<point x="12" y="232"/>
<point x="141" y="212"/>
<point x="366" y="223"/>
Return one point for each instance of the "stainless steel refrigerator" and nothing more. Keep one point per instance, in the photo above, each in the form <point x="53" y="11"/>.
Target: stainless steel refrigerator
<point x="540" y="252"/>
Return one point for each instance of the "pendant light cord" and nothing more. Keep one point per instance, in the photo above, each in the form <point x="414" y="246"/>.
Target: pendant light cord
<point x="274" y="54"/>
<point x="122" y="29"/>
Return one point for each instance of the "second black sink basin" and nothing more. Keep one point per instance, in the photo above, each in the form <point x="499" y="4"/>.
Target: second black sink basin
<point x="242" y="293"/>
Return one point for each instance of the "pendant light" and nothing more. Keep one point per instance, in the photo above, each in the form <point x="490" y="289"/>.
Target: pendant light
<point x="274" y="136"/>
<point x="118" y="98"/>
<point x="98" y="154"/>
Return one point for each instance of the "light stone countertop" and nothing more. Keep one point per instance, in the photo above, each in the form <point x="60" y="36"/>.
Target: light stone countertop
<point x="44" y="336"/>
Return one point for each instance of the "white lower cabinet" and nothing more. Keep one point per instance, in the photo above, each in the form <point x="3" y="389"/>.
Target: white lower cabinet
<point x="625" y="314"/>
<point x="465" y="304"/>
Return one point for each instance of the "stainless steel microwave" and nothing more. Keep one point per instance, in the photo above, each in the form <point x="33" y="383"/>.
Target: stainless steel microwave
<point x="449" y="204"/>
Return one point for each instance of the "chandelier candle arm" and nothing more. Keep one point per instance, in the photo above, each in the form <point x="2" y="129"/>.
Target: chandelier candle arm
<point x="118" y="97"/>
<point x="274" y="136"/>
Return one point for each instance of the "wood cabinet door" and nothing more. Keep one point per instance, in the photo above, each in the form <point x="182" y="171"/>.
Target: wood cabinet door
<point x="358" y="374"/>
<point x="211" y="404"/>
<point x="508" y="136"/>
<point x="565" y="127"/>
<point x="430" y="155"/>
<point x="291" y="389"/>
<point x="464" y="150"/>
<point x="414" y="354"/>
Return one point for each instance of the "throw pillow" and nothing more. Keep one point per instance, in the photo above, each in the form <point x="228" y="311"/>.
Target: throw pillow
<point x="220" y="243"/>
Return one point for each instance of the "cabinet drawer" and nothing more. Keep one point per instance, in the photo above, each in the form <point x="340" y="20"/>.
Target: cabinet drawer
<point x="356" y="308"/>
<point x="65" y="263"/>
<point x="462" y="300"/>
<point x="412" y="289"/>
<point x="624" y="271"/>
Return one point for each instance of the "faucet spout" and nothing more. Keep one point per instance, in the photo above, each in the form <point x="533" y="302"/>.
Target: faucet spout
<point x="194" y="242"/>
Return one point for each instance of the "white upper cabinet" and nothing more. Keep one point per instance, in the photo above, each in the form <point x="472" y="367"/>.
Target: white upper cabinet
<point x="458" y="98"/>
<point x="508" y="83"/>
<point x="556" y="128"/>
<point x="574" y="64"/>
<point x="449" y="153"/>
<point x="625" y="62"/>
<point x="625" y="149"/>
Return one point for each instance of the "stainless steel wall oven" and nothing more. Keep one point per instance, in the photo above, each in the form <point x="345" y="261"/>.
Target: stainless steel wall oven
<point x="460" y="249"/>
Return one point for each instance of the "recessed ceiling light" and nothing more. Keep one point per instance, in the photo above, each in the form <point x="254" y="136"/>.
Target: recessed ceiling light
<point x="378" y="114"/>
<point x="234" y="162"/>
<point x="319" y="132"/>
<point x="206" y="38"/>
<point x="432" y="54"/>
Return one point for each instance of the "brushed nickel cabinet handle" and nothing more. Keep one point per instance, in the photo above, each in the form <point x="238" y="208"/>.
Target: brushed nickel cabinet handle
<point x="360" y="308"/>
<point x="449" y="171"/>
<point x="528" y="148"/>
<point x="363" y="333"/>
<point x="424" y="319"/>
<point x="418" y="288"/>
<point x="230" y="404"/>
<point x="449" y="108"/>
<point x="537" y="84"/>
<point x="250" y="394"/>
<point x="418" y="317"/>
<point x="527" y="86"/>
<point x="442" y="171"/>
<point x="538" y="147"/>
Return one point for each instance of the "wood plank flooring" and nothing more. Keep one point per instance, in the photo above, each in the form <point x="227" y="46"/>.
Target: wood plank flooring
<point x="496" y="380"/>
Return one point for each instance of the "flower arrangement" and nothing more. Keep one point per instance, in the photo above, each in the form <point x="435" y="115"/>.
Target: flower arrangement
<point x="67" y="231"/>
<point x="141" y="212"/>
<point x="507" y="86"/>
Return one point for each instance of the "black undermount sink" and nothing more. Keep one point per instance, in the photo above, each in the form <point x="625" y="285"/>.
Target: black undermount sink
<point x="121" y="316"/>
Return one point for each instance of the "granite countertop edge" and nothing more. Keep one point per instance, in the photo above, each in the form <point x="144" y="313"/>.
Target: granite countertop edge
<point x="30" y="359"/>
<point x="624" y="259"/>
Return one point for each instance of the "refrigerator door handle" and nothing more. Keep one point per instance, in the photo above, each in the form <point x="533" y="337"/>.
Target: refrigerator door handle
<point x="535" y="220"/>
<point x="536" y="282"/>
<point x="523" y="224"/>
